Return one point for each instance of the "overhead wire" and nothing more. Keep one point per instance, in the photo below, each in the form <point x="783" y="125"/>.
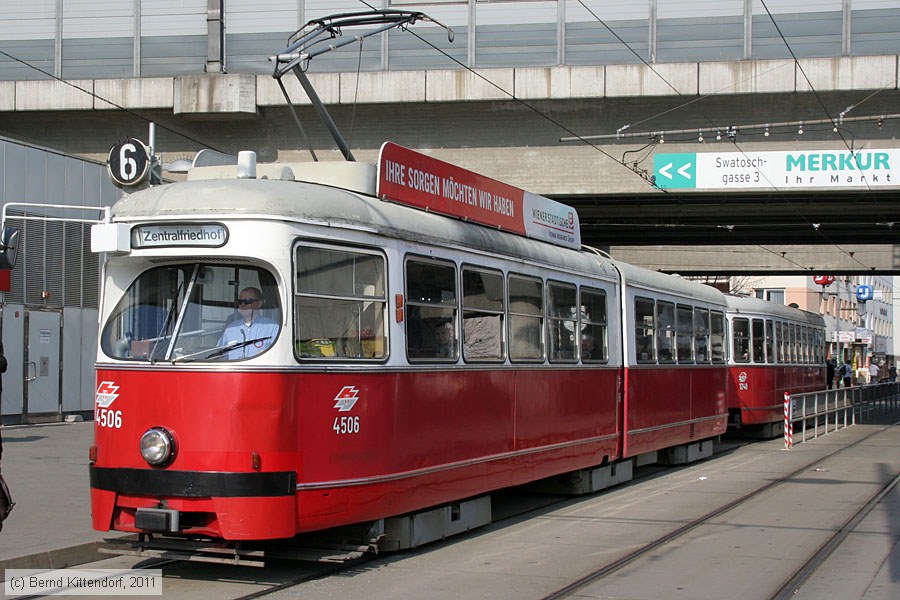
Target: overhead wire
<point x="499" y="88"/>
<point x="355" y="93"/>
<point x="827" y="113"/>
<point x="110" y="102"/>
<point x="677" y="92"/>
<point x="734" y="141"/>
<point x="522" y="102"/>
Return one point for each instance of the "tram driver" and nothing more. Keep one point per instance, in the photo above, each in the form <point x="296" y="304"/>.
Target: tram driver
<point x="251" y="326"/>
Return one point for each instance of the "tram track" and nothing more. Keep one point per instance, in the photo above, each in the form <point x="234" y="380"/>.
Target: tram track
<point x="512" y="507"/>
<point x="510" y="511"/>
<point x="791" y="584"/>
<point x="790" y="587"/>
<point x="282" y="575"/>
<point x="327" y="571"/>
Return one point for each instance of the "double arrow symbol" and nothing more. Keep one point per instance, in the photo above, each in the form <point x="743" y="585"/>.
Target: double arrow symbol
<point x="664" y="171"/>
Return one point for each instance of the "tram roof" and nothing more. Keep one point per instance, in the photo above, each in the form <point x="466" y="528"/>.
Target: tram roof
<point x="654" y="280"/>
<point x="750" y="306"/>
<point x="300" y="201"/>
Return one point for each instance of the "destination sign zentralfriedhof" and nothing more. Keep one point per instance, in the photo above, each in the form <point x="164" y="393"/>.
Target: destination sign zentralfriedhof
<point x="778" y="170"/>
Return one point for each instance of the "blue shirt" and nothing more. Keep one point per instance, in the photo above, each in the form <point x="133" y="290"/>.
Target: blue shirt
<point x="238" y="331"/>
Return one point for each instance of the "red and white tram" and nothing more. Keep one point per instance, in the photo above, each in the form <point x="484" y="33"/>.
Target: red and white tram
<point x="675" y="377"/>
<point x="775" y="349"/>
<point x="291" y="352"/>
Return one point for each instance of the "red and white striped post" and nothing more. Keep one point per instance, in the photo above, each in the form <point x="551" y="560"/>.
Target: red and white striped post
<point x="788" y="423"/>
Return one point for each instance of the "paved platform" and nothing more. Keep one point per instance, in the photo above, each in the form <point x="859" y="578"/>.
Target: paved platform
<point x="46" y="467"/>
<point x="745" y="553"/>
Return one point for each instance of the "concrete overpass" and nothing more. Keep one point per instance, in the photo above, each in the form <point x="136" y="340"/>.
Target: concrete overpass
<point x="507" y="123"/>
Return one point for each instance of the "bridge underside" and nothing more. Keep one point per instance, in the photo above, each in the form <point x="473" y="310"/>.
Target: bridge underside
<point x="828" y="232"/>
<point x="825" y="229"/>
<point x="765" y="259"/>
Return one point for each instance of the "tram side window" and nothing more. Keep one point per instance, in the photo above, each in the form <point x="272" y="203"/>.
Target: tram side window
<point x="806" y="348"/>
<point x="820" y="346"/>
<point x="812" y="348"/>
<point x="792" y="343"/>
<point x="526" y="318"/>
<point x="482" y="316"/>
<point x="801" y="344"/>
<point x="684" y="333"/>
<point x="701" y="335"/>
<point x="562" y="322"/>
<point x="784" y="349"/>
<point x="717" y="336"/>
<point x="786" y="341"/>
<point x="779" y="341"/>
<point x="665" y="331"/>
<point x="770" y="342"/>
<point x="759" y="349"/>
<point x="644" y="330"/>
<point x="740" y="331"/>
<point x="431" y="300"/>
<point x="594" y="342"/>
<point x="340" y="305"/>
<point x="814" y="341"/>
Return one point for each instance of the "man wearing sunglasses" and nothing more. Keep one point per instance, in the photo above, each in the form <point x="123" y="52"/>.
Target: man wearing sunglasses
<point x="252" y="333"/>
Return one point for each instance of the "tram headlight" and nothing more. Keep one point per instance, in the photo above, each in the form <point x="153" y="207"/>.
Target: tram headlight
<point x="157" y="446"/>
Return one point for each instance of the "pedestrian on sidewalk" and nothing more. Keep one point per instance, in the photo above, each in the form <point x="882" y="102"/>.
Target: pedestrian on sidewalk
<point x="873" y="373"/>
<point x="846" y="373"/>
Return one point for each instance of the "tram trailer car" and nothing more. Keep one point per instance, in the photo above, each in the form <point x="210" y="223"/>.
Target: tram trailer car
<point x="675" y="376"/>
<point x="346" y="403"/>
<point x="776" y="349"/>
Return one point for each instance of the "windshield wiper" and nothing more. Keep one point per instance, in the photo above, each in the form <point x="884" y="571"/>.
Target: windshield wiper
<point x="219" y="350"/>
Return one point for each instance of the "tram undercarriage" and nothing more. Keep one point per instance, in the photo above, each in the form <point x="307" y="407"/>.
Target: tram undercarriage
<point x="393" y="534"/>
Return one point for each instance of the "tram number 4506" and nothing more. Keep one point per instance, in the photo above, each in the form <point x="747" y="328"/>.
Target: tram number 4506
<point x="345" y="425"/>
<point x="109" y="418"/>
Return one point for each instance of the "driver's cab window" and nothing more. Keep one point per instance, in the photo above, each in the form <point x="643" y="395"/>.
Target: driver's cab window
<point x="195" y="312"/>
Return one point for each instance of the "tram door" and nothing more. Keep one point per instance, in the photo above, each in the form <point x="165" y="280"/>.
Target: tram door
<point x="41" y="398"/>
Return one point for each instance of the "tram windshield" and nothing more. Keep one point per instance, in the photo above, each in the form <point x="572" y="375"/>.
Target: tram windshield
<point x="195" y="312"/>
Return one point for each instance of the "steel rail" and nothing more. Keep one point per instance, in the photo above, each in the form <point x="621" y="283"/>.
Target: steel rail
<point x="794" y="583"/>
<point x="643" y="551"/>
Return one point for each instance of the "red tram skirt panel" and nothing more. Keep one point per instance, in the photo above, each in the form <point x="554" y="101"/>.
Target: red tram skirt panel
<point x="669" y="406"/>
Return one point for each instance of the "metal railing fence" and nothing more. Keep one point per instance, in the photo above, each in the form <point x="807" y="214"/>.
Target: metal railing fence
<point x="826" y="411"/>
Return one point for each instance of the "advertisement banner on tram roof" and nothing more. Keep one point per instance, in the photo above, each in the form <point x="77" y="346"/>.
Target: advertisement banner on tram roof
<point x="419" y="180"/>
